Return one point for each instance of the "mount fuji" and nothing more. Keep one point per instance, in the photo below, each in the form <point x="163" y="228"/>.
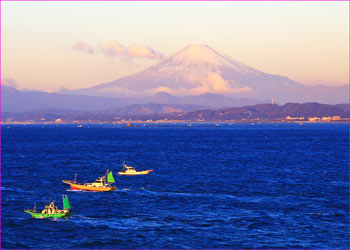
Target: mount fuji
<point x="199" y="69"/>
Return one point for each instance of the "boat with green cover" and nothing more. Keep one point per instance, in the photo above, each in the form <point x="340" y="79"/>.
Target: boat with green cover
<point x="101" y="184"/>
<point x="51" y="211"/>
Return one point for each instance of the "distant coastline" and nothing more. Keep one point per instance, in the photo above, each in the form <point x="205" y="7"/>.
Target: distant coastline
<point x="166" y="113"/>
<point x="346" y="120"/>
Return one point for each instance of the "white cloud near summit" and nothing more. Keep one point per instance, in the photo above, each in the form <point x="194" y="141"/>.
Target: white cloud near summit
<point x="144" y="52"/>
<point x="115" y="49"/>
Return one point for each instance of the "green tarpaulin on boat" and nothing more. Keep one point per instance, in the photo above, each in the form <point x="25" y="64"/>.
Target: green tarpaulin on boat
<point x="66" y="203"/>
<point x="110" y="177"/>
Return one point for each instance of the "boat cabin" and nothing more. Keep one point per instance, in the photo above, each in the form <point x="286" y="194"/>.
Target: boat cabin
<point x="51" y="209"/>
<point x="129" y="168"/>
<point x="100" y="182"/>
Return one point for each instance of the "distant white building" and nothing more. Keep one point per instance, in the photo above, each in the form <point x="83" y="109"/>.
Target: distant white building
<point x="314" y="119"/>
<point x="294" y="118"/>
<point x="291" y="118"/>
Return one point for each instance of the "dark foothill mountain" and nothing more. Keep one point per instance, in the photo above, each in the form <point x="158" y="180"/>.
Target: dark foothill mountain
<point x="344" y="107"/>
<point x="267" y="112"/>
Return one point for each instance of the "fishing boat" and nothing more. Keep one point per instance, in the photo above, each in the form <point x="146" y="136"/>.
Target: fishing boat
<point x="129" y="170"/>
<point x="101" y="184"/>
<point x="51" y="211"/>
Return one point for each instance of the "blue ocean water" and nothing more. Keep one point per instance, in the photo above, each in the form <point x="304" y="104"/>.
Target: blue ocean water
<point x="226" y="186"/>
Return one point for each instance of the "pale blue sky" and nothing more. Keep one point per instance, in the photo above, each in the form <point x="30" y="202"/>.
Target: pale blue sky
<point x="306" y="41"/>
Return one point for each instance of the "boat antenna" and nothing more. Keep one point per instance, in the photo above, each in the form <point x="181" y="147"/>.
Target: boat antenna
<point x="34" y="210"/>
<point x="75" y="178"/>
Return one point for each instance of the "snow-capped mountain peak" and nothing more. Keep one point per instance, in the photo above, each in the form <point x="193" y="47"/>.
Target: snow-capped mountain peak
<point x="205" y="59"/>
<point x="199" y="69"/>
<point x="198" y="54"/>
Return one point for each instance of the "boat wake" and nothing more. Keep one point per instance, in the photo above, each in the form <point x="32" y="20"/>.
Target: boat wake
<point x="131" y="189"/>
<point x="207" y="195"/>
<point x="71" y="190"/>
<point x="81" y="191"/>
<point x="113" y="223"/>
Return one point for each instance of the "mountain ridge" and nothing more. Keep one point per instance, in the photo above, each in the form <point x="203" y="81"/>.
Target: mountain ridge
<point x="199" y="69"/>
<point x="13" y="100"/>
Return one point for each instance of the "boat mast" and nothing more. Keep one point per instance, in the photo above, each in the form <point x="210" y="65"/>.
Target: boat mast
<point x="106" y="178"/>
<point x="34" y="210"/>
<point x="75" y="178"/>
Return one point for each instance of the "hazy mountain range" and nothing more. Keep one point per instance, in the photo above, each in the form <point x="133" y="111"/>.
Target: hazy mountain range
<point x="13" y="100"/>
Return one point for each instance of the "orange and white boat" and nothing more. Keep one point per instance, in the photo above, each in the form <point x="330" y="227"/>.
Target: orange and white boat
<point x="102" y="184"/>
<point x="129" y="170"/>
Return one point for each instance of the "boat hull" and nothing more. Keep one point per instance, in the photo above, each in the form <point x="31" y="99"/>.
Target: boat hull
<point x="76" y="186"/>
<point x="136" y="173"/>
<point x="42" y="216"/>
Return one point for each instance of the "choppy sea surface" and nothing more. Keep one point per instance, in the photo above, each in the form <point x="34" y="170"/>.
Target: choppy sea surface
<point x="213" y="186"/>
